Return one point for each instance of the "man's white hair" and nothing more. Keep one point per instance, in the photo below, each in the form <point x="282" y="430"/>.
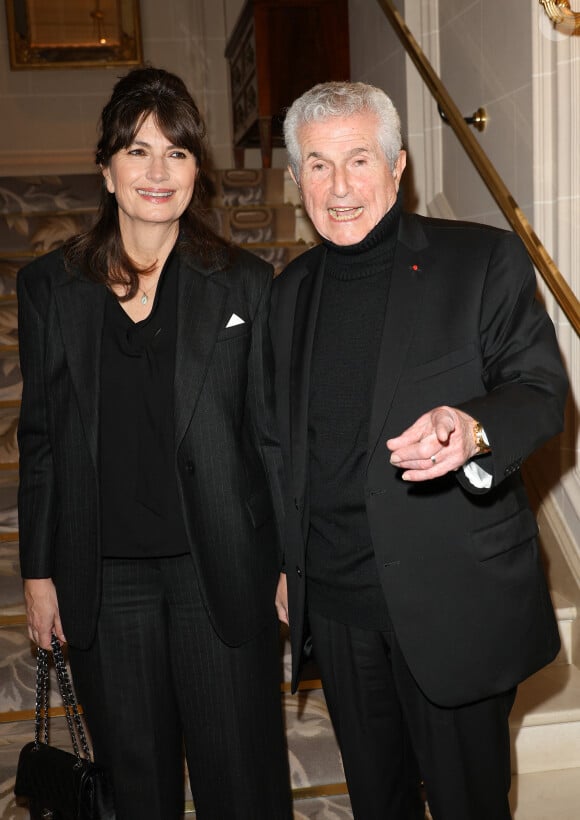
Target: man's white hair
<point x="337" y="99"/>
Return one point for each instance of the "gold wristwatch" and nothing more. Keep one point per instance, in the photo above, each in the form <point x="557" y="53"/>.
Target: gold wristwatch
<point x="480" y="439"/>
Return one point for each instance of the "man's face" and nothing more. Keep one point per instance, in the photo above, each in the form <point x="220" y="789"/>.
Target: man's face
<point x="346" y="181"/>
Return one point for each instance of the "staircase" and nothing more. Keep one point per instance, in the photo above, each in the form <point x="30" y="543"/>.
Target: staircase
<point x="260" y="210"/>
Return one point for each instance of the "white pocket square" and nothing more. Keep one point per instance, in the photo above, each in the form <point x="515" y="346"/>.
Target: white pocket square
<point x="235" y="320"/>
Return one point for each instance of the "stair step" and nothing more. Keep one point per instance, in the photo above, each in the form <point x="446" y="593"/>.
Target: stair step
<point x="248" y="186"/>
<point x="8" y="443"/>
<point x="256" y="223"/>
<point x="8" y="321"/>
<point x="313" y="752"/>
<point x="545" y="721"/>
<point x="39" y="234"/>
<point x="323" y="807"/>
<point x="11" y="600"/>
<point x="43" y="195"/>
<point x="9" y="267"/>
<point x="553" y="795"/>
<point x="8" y="499"/>
<point x="566" y="614"/>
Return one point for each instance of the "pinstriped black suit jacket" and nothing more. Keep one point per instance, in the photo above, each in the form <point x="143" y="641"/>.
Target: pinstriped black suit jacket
<point x="226" y="451"/>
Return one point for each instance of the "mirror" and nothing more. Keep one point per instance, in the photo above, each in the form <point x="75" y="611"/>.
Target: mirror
<point x="73" y="33"/>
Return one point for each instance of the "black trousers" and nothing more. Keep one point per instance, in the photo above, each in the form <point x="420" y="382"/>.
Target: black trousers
<point x="158" y="676"/>
<point x="391" y="736"/>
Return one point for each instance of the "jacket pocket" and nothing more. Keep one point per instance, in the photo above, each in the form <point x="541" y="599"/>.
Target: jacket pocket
<point x="234" y="332"/>
<point x="442" y="364"/>
<point x="505" y="535"/>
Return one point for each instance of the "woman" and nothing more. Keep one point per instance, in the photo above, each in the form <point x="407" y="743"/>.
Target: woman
<point x="149" y="472"/>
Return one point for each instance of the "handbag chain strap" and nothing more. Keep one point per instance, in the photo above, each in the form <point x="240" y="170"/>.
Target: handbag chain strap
<point x="73" y="718"/>
<point x="41" y="705"/>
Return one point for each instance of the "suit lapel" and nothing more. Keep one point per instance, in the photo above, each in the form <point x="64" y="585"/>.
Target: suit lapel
<point x="307" y="303"/>
<point x="81" y="307"/>
<point x="201" y="303"/>
<point x="403" y="305"/>
<point x="200" y="316"/>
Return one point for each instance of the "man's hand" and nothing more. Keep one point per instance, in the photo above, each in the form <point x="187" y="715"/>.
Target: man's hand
<point x="438" y="442"/>
<point x="282" y="599"/>
<point x="42" y="611"/>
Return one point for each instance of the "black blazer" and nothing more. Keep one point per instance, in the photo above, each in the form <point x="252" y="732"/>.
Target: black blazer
<point x="458" y="566"/>
<point x="227" y="457"/>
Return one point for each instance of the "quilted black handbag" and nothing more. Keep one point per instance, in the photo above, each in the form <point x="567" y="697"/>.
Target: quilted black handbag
<point x="58" y="784"/>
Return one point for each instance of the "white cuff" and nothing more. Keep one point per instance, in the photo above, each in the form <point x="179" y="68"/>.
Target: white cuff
<point x="476" y="476"/>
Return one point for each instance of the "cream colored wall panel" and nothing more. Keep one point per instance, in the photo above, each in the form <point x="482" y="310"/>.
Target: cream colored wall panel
<point x="506" y="48"/>
<point x="449" y="10"/>
<point x="376" y="56"/>
<point x="217" y="116"/>
<point x="232" y="10"/>
<point x="498" y="140"/>
<point x="40" y="121"/>
<point x="216" y="66"/>
<point x="461" y="50"/>
<point x="214" y="18"/>
<point x="158" y="20"/>
<point x="524" y="142"/>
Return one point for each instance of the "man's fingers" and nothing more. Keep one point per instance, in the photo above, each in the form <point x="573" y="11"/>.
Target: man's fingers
<point x="418" y="452"/>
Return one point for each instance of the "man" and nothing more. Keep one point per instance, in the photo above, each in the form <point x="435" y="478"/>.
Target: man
<point x="415" y="373"/>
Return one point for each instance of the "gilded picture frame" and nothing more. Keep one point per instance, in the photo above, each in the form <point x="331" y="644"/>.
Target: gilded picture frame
<point x="56" y="34"/>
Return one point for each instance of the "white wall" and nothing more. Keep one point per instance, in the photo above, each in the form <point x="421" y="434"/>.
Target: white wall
<point x="376" y="55"/>
<point x="486" y="60"/>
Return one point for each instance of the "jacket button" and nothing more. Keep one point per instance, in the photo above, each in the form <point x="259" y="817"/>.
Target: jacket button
<point x="299" y="572"/>
<point x="190" y="466"/>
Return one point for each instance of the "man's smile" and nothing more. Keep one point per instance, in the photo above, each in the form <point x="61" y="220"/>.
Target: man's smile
<point x="345" y="214"/>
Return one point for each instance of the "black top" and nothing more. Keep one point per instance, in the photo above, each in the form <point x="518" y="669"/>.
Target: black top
<point x="141" y="515"/>
<point x="343" y="581"/>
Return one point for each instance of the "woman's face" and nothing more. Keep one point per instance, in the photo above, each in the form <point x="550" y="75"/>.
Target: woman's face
<point x="152" y="180"/>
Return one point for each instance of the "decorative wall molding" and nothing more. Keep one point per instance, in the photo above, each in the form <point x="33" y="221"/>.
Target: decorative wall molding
<point x="440" y="208"/>
<point x="424" y="124"/>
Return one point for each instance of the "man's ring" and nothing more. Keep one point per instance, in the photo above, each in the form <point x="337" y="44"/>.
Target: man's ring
<point x="433" y="460"/>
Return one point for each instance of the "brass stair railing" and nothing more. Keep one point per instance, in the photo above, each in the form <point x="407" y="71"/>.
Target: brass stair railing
<point x="544" y="263"/>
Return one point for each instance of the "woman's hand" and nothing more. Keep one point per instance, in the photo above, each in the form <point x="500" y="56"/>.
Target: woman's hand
<point x="282" y="599"/>
<point x="42" y="611"/>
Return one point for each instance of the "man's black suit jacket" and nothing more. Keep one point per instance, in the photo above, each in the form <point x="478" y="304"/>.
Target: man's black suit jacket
<point x="459" y="567"/>
<point x="227" y="458"/>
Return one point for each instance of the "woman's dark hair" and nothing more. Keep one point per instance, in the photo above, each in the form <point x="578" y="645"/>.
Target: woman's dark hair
<point x="142" y="92"/>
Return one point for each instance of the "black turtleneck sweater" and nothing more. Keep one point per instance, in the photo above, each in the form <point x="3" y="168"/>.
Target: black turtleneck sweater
<point x="343" y="582"/>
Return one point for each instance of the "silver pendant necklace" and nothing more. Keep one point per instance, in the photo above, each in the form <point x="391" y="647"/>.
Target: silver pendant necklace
<point x="145" y="297"/>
